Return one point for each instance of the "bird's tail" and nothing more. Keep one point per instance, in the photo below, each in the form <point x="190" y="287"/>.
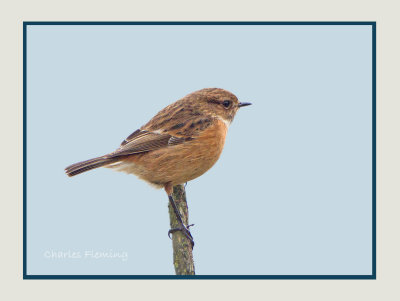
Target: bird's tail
<point x="80" y="167"/>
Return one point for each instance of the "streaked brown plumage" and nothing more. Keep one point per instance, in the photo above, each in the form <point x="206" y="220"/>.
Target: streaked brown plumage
<point x="177" y="145"/>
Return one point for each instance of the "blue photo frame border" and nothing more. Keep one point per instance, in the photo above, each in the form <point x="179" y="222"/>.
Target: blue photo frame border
<point x="373" y="274"/>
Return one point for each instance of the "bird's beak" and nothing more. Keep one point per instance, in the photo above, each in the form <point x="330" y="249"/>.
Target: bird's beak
<point x="243" y="104"/>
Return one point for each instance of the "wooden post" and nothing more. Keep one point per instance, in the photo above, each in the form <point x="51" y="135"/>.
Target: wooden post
<point x="182" y="247"/>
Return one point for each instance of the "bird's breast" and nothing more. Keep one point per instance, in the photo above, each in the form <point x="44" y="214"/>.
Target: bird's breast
<point x="178" y="164"/>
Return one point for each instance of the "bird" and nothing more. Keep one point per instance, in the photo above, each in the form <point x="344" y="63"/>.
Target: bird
<point x="180" y="143"/>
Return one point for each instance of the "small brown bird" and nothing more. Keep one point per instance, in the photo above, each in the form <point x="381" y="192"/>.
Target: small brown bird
<point x="177" y="145"/>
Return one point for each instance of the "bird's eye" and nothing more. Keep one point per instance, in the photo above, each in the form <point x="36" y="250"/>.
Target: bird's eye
<point x="226" y="103"/>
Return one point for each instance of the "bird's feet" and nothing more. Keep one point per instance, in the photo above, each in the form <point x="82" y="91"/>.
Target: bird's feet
<point x="185" y="231"/>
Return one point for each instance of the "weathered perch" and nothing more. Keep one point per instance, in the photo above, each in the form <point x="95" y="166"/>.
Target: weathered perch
<point x="182" y="247"/>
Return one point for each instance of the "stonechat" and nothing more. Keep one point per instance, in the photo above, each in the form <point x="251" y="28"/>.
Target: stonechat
<point x="179" y="144"/>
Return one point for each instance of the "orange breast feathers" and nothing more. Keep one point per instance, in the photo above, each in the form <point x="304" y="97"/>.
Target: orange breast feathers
<point x="177" y="164"/>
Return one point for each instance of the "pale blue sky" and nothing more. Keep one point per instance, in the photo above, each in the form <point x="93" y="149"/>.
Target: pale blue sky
<point x="291" y="193"/>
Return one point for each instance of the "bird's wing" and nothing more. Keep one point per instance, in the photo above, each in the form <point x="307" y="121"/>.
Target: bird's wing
<point x="142" y="141"/>
<point x="158" y="133"/>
